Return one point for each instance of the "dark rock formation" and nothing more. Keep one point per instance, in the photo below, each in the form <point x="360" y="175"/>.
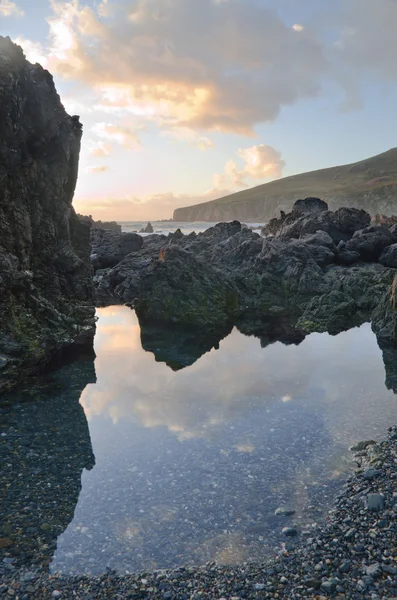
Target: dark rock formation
<point x="370" y="242"/>
<point x="388" y="258"/>
<point x="100" y="224"/>
<point x="45" y="269"/>
<point x="310" y="215"/>
<point x="110" y="247"/>
<point x="147" y="229"/>
<point x="309" y="205"/>
<point x="319" y="271"/>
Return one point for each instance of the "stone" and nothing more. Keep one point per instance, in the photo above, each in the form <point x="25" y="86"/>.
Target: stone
<point x="289" y="531"/>
<point x="312" y="583"/>
<point x="345" y="566"/>
<point x="370" y="474"/>
<point x="284" y="512"/>
<point x="374" y="570"/>
<point x="329" y="585"/>
<point x="375" y="502"/>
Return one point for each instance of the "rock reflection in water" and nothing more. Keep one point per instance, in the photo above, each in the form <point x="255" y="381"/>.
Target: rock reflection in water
<point x="192" y="463"/>
<point x="44" y="447"/>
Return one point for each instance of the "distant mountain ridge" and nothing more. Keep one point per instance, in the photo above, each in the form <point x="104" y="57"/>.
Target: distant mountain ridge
<point x="370" y="184"/>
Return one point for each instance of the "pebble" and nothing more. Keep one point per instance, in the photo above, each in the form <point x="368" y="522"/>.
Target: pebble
<point x="289" y="531"/>
<point x="375" y="502"/>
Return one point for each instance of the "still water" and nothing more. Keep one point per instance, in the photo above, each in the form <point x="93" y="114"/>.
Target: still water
<point x="136" y="466"/>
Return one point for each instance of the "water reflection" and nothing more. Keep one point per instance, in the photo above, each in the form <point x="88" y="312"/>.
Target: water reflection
<point x="44" y="447"/>
<point x="191" y="463"/>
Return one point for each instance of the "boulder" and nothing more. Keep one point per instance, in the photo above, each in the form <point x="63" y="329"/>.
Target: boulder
<point x="181" y="289"/>
<point x="370" y="242"/>
<point x="109" y="247"/>
<point x="388" y="258"/>
<point x="309" y="206"/>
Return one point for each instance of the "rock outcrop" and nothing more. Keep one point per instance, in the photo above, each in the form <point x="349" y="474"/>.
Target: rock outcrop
<point x="100" y="224"/>
<point x="147" y="229"/>
<point x="319" y="271"/>
<point x="109" y="247"/>
<point x="45" y="269"/>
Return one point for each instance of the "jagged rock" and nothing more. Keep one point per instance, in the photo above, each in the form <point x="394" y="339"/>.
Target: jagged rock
<point x="388" y="258"/>
<point x="229" y="274"/>
<point x="347" y="258"/>
<point x="340" y="225"/>
<point x="109" y="247"/>
<point x="309" y="206"/>
<point x="147" y="229"/>
<point x="182" y="289"/>
<point x="370" y="242"/>
<point x="46" y="274"/>
<point x="100" y="224"/>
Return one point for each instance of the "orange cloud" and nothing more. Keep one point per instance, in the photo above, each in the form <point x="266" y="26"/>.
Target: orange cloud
<point x="100" y="150"/>
<point x="97" y="169"/>
<point x="202" y="66"/>
<point x="118" y="133"/>
<point x="260" y="162"/>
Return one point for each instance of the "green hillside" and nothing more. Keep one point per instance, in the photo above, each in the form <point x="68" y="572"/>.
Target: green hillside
<point x="370" y="184"/>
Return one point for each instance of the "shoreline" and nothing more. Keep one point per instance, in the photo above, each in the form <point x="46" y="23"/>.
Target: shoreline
<point x="353" y="555"/>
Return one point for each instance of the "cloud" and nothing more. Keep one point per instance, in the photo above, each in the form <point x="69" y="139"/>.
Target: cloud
<point x="97" y="169"/>
<point x="260" y="162"/>
<point x="10" y="9"/>
<point x="298" y="27"/>
<point x="184" y="134"/>
<point x="100" y="150"/>
<point x="367" y="40"/>
<point x="121" y="134"/>
<point x="156" y="206"/>
<point x="222" y="66"/>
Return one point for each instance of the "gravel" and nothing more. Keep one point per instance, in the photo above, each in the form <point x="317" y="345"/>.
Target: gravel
<point x="353" y="555"/>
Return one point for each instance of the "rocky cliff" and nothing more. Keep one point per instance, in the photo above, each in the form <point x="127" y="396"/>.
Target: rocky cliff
<point x="45" y="271"/>
<point x="370" y="184"/>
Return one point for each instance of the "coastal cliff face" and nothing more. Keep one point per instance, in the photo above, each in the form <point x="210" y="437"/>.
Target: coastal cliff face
<point x="370" y="184"/>
<point x="45" y="271"/>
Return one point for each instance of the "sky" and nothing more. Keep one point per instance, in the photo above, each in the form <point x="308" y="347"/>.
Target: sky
<point x="184" y="101"/>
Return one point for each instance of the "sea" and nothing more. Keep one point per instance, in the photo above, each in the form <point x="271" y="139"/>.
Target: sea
<point x="166" y="227"/>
